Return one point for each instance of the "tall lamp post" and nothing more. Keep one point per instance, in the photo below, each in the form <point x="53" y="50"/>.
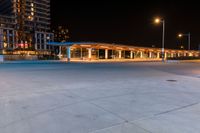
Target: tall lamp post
<point x="157" y="21"/>
<point x="189" y="38"/>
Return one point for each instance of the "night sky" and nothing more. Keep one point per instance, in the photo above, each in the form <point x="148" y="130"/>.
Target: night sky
<point x="128" y="23"/>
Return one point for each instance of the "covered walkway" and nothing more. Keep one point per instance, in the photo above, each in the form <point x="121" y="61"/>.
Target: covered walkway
<point x="103" y="51"/>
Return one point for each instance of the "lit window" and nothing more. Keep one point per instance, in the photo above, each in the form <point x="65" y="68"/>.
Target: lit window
<point x="30" y="18"/>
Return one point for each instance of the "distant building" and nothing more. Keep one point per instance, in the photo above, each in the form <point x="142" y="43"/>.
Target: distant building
<point x="61" y="34"/>
<point x="24" y="25"/>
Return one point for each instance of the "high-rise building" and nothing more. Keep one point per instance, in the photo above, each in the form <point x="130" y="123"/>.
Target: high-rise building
<point x="25" y="25"/>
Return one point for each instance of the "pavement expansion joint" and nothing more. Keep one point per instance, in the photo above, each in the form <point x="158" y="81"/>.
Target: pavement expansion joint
<point x="176" y="109"/>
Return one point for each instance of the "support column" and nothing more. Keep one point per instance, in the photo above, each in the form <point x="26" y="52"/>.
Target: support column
<point x="68" y="54"/>
<point x="60" y="52"/>
<point x="131" y="55"/>
<point x="98" y="54"/>
<point x="81" y="53"/>
<point x="178" y="54"/>
<point x="150" y="55"/>
<point x="141" y="54"/>
<point x="172" y="55"/>
<point x="165" y="55"/>
<point x="158" y="55"/>
<point x="106" y="53"/>
<point x="113" y="57"/>
<point x="89" y="53"/>
<point x="120" y="54"/>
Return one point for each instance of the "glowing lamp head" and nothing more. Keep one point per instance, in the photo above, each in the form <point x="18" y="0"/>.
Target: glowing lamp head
<point x="180" y="35"/>
<point x="157" y="20"/>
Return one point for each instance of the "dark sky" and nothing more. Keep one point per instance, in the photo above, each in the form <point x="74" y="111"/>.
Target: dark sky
<point x="128" y="22"/>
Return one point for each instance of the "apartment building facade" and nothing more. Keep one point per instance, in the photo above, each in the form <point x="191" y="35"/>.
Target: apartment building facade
<point x="25" y="25"/>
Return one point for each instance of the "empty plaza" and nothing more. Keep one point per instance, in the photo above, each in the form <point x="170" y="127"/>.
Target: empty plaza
<point x="118" y="97"/>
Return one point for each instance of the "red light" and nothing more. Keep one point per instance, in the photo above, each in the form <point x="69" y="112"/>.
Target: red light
<point x="22" y="45"/>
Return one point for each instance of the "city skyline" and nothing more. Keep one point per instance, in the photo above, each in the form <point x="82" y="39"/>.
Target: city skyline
<point x="126" y="23"/>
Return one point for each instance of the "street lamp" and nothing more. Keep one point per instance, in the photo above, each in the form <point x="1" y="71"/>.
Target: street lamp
<point x="158" y="21"/>
<point x="188" y="35"/>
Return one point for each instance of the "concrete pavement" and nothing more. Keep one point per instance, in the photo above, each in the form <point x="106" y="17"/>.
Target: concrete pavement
<point x="127" y="97"/>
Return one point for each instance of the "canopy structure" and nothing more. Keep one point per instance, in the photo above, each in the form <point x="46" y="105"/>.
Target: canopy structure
<point x="104" y="51"/>
<point x="68" y="43"/>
